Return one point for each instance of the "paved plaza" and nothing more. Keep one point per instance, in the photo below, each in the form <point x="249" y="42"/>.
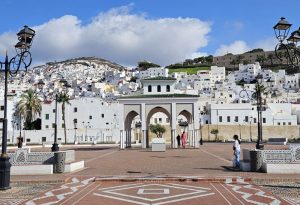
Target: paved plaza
<point x="136" y="176"/>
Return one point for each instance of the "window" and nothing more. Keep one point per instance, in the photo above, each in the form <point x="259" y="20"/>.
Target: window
<point x="264" y="120"/>
<point x="155" y="120"/>
<point x="168" y="88"/>
<point x="1" y="107"/>
<point x="53" y="110"/>
<point x="47" y="116"/>
<point x="59" y="139"/>
<point x="149" y="88"/>
<point x="278" y="123"/>
<point x="236" y="118"/>
<point x="167" y="120"/>
<point x="228" y="118"/>
<point x="75" y="120"/>
<point x="75" y="109"/>
<point x="160" y="120"/>
<point x="28" y="140"/>
<point x="44" y="139"/>
<point x="283" y="123"/>
<point x="53" y="125"/>
<point x="91" y="117"/>
<point x="254" y="120"/>
<point x="158" y="88"/>
<point x="47" y="126"/>
<point x="220" y="118"/>
<point x="246" y="118"/>
<point x="62" y="125"/>
<point x="102" y="115"/>
<point x="290" y="123"/>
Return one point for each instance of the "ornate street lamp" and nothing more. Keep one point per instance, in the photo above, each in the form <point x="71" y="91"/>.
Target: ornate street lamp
<point x="256" y="95"/>
<point x="287" y="46"/>
<point x="55" y="147"/>
<point x="11" y="67"/>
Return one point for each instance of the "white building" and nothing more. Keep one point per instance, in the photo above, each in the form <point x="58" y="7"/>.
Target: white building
<point x="154" y="72"/>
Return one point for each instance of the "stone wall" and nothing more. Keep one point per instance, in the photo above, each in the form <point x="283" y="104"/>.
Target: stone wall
<point x="226" y="132"/>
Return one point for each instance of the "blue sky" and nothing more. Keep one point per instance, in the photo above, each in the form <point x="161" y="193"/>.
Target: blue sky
<point x="162" y="31"/>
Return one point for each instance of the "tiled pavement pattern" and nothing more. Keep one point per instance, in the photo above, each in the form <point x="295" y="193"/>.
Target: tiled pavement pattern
<point x="158" y="192"/>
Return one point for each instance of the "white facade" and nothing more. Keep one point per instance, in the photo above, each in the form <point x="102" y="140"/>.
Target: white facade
<point x="154" y="72"/>
<point x="156" y="86"/>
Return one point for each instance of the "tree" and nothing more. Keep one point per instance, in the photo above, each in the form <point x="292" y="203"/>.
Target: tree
<point x="271" y="57"/>
<point x="261" y="59"/>
<point x="64" y="99"/>
<point x="215" y="132"/>
<point x="239" y="59"/>
<point x="144" y="65"/>
<point x="157" y="129"/>
<point x="29" y="107"/>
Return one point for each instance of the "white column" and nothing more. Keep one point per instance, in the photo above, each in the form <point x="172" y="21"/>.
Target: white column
<point x="173" y="125"/>
<point x="144" y="139"/>
<point x="122" y="145"/>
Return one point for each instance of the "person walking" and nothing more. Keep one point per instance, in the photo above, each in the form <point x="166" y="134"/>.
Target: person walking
<point x="183" y="139"/>
<point x="236" y="151"/>
<point x="178" y="140"/>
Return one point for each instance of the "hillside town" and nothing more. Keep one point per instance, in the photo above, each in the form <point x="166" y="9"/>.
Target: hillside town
<point x="94" y="87"/>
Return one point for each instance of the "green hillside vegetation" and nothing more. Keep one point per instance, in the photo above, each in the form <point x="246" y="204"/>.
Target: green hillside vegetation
<point x="190" y="71"/>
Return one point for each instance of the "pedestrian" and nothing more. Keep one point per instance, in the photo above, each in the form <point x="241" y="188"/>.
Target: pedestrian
<point x="183" y="139"/>
<point x="178" y="140"/>
<point x="236" y="151"/>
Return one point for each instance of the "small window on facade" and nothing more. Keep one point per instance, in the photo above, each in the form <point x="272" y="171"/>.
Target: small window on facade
<point x="53" y="110"/>
<point x="155" y="120"/>
<point x="246" y="118"/>
<point x="158" y="88"/>
<point x="47" y="116"/>
<point x="53" y="125"/>
<point x="149" y="88"/>
<point x="228" y="118"/>
<point x="236" y="118"/>
<point x="62" y="125"/>
<point x="91" y="117"/>
<point x="102" y="115"/>
<point x="59" y="139"/>
<point x="220" y="118"/>
<point x="168" y="88"/>
<point x="1" y="107"/>
<point x="44" y="139"/>
<point x="283" y="123"/>
<point x="75" y="109"/>
<point x="28" y="140"/>
<point x="160" y="120"/>
<point x="290" y="123"/>
<point x="75" y="120"/>
<point x="254" y="120"/>
<point x="264" y="120"/>
<point x="47" y="126"/>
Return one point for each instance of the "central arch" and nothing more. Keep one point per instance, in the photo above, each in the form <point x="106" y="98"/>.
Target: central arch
<point x="146" y="106"/>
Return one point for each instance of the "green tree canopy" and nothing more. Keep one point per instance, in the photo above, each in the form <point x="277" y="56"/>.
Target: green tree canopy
<point x="157" y="129"/>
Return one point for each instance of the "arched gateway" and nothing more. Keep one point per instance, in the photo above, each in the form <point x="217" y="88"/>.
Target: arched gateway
<point x="158" y="96"/>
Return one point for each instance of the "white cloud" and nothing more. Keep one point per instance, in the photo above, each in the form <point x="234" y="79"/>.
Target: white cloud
<point x="237" y="47"/>
<point x="267" y="44"/>
<point x="118" y="35"/>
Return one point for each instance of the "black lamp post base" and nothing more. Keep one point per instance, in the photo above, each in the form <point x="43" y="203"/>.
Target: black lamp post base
<point x="4" y="173"/>
<point x="54" y="147"/>
<point x="259" y="146"/>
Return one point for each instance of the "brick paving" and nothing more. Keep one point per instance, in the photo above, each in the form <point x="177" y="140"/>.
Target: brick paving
<point x="161" y="175"/>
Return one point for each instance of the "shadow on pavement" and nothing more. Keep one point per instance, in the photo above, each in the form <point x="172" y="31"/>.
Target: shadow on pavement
<point x="90" y="148"/>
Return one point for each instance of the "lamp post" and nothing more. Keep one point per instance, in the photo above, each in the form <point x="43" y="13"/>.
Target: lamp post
<point x="287" y="46"/>
<point x="55" y="147"/>
<point x="86" y="127"/>
<point x="201" y="140"/>
<point x="256" y="95"/>
<point x="11" y="67"/>
<point x="75" y="129"/>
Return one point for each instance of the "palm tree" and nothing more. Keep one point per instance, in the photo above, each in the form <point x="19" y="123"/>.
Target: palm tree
<point x="29" y="107"/>
<point x="215" y="132"/>
<point x="64" y="99"/>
